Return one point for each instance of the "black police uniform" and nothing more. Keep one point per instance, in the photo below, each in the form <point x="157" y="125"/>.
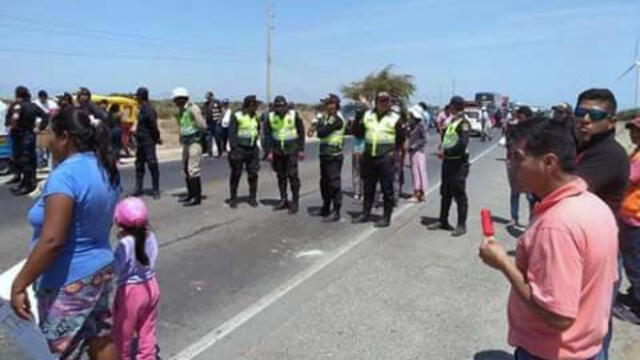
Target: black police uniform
<point x="285" y="163"/>
<point x="22" y="117"/>
<point x="455" y="169"/>
<point x="379" y="167"/>
<point x="331" y="159"/>
<point x="243" y="155"/>
<point x="147" y="137"/>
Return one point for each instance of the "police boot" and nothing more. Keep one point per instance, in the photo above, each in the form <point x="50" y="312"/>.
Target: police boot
<point x="459" y="231"/>
<point x="196" y="187"/>
<point x="189" y="195"/>
<point x="283" y="204"/>
<point x="293" y="207"/>
<point x="233" y="192"/>
<point x="28" y="185"/>
<point x="386" y="218"/>
<point x="326" y="209"/>
<point x="155" y="180"/>
<point x="335" y="216"/>
<point x="253" y="193"/>
<point x="138" y="190"/>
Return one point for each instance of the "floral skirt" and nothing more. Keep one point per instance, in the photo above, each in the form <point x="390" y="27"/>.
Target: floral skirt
<point x="76" y="313"/>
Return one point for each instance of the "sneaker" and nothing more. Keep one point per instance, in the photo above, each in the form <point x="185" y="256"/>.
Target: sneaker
<point x="414" y="199"/>
<point x="383" y="223"/>
<point x="627" y="314"/>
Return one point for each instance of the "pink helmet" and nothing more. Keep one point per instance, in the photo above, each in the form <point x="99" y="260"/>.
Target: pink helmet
<point x="131" y="212"/>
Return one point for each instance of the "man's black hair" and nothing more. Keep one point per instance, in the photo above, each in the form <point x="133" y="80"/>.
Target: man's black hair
<point x="542" y="136"/>
<point x="525" y="111"/>
<point x="604" y="95"/>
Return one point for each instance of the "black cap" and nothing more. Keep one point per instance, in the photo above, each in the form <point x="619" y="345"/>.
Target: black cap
<point x="332" y="98"/>
<point x="225" y="101"/>
<point x="43" y="93"/>
<point x="249" y="100"/>
<point x="457" y="102"/>
<point x="279" y="101"/>
<point x="84" y="91"/>
<point x="142" y="93"/>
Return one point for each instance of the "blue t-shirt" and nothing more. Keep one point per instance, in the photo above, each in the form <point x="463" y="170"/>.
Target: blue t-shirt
<point x="87" y="247"/>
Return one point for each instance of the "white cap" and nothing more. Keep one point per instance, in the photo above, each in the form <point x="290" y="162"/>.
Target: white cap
<point x="179" y="92"/>
<point x="416" y="111"/>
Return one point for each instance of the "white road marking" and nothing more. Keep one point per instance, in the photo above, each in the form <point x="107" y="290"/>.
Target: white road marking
<point x="309" y="253"/>
<point x="212" y="337"/>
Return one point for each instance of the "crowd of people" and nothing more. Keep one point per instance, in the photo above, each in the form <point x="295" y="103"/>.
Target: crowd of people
<point x="565" y="280"/>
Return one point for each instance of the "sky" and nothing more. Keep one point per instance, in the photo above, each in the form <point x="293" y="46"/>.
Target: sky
<point x="538" y="52"/>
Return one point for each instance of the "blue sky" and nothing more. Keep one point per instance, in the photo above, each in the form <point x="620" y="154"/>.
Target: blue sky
<point x="536" y="51"/>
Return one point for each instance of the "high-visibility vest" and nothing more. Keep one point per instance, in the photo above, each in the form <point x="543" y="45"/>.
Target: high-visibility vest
<point x="451" y="136"/>
<point x="186" y="122"/>
<point x="283" y="129"/>
<point x="380" y="133"/>
<point x="247" y="128"/>
<point x="630" y="207"/>
<point x="334" y="141"/>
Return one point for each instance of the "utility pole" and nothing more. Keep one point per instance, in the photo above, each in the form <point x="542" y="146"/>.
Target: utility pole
<point x="269" y="47"/>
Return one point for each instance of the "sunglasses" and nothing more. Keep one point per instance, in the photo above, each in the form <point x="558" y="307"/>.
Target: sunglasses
<point x="594" y="114"/>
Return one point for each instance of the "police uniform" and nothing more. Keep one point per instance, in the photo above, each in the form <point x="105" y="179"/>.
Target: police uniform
<point x="22" y="117"/>
<point x="192" y="127"/>
<point x="381" y="132"/>
<point x="244" y="130"/>
<point x="286" y="140"/>
<point x="147" y="137"/>
<point x="331" y="129"/>
<point x="455" y="169"/>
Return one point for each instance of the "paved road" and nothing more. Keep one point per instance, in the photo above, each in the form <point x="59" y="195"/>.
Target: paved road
<point x="215" y="262"/>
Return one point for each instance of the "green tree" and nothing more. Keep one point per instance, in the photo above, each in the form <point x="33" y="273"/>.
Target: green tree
<point x="400" y="85"/>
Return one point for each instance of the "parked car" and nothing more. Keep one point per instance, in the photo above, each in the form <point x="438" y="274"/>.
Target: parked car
<point x="473" y="115"/>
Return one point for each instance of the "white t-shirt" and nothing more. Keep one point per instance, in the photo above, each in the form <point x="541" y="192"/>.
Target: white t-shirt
<point x="226" y="118"/>
<point x="3" y="113"/>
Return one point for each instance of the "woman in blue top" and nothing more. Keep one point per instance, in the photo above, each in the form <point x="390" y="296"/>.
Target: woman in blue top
<point x="70" y="264"/>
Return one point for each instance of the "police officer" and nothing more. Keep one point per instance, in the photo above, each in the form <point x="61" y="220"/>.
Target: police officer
<point x="455" y="169"/>
<point x="382" y="130"/>
<point x="21" y="119"/>
<point x="330" y="128"/>
<point x="192" y="127"/>
<point x="96" y="113"/>
<point x="285" y="134"/>
<point x="244" y="130"/>
<point x="147" y="137"/>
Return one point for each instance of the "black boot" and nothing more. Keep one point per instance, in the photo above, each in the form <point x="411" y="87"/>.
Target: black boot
<point x="459" y="231"/>
<point x="386" y="218"/>
<point x="155" y="180"/>
<point x="293" y="207"/>
<point x="335" y="216"/>
<point x="253" y="193"/>
<point x="443" y="224"/>
<point x="29" y="184"/>
<point x="189" y="196"/>
<point x="283" y="204"/>
<point x="326" y="209"/>
<point x="138" y="190"/>
<point x="196" y="187"/>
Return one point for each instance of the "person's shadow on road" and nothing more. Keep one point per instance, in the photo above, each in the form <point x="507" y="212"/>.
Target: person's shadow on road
<point x="493" y="355"/>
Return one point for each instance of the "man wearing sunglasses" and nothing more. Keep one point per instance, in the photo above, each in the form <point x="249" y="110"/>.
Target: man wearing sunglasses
<point x="602" y="162"/>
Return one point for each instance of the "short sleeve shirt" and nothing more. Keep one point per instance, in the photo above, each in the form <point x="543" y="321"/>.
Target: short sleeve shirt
<point x="87" y="248"/>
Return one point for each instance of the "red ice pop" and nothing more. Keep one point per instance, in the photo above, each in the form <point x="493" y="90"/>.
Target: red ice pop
<point x="487" y="223"/>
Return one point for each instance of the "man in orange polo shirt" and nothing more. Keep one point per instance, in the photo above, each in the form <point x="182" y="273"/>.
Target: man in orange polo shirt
<point x="566" y="261"/>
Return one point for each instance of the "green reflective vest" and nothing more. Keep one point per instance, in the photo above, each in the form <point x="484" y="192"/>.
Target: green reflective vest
<point x="380" y="134"/>
<point x="247" y="128"/>
<point x="186" y="122"/>
<point x="332" y="144"/>
<point x="451" y="137"/>
<point x="283" y="130"/>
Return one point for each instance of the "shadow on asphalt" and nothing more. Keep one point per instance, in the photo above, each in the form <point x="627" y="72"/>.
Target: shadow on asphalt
<point x="270" y="202"/>
<point x="493" y="355"/>
<point x="500" y="220"/>
<point x="426" y="220"/>
<point x="314" y="210"/>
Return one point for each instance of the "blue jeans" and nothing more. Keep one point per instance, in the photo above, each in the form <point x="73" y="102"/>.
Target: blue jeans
<point x="630" y="253"/>
<point x="515" y="204"/>
<point x="606" y="343"/>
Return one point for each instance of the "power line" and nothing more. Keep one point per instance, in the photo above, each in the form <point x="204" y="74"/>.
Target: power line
<point x="119" y="36"/>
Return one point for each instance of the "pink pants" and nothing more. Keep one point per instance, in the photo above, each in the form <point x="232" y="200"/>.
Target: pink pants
<point x="136" y="309"/>
<point x="419" y="171"/>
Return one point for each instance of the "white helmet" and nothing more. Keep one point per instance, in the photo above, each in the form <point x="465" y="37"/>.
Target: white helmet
<point x="179" y="92"/>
